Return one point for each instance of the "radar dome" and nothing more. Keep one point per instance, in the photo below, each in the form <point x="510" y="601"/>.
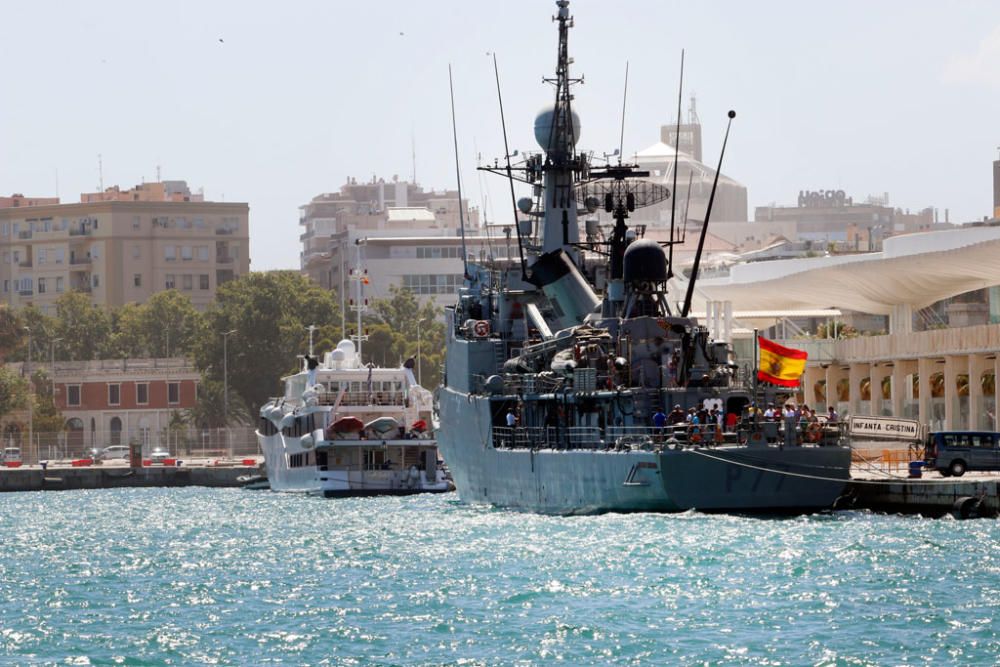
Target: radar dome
<point x="644" y="261"/>
<point x="544" y="127"/>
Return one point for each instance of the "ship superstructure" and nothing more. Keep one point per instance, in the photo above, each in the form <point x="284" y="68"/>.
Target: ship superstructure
<point x="562" y="363"/>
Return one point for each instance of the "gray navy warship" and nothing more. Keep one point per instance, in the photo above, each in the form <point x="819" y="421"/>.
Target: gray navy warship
<point x="561" y="361"/>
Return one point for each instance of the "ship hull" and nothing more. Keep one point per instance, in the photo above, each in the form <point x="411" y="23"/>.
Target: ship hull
<point x="717" y="479"/>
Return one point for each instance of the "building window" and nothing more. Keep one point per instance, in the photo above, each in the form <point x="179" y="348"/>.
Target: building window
<point x="171" y="281"/>
<point x="60" y="255"/>
<point x="136" y="221"/>
<point x="136" y="252"/>
<point x="5" y="229"/>
<point x="59" y="284"/>
<point x="170" y="253"/>
<point x="137" y="280"/>
<point x="6" y="286"/>
<point x="188" y="281"/>
<point x="41" y="255"/>
<point x="142" y="393"/>
<point x="96" y="280"/>
<point x="203" y="281"/>
<point x="73" y="395"/>
<point x="41" y="285"/>
<point x="203" y="253"/>
<point x="433" y="284"/>
<point x="114" y="394"/>
<point x="95" y="252"/>
<point x="186" y="254"/>
<point x="173" y="393"/>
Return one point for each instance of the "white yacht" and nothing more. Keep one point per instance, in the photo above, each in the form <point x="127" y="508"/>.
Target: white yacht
<point x="345" y="428"/>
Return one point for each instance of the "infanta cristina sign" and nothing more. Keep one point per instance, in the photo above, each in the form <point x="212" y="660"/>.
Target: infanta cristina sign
<point x="885" y="427"/>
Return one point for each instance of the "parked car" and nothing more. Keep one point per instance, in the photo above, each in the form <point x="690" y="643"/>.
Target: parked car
<point x="10" y="454"/>
<point x="115" y="452"/>
<point x="159" y="455"/>
<point x="953" y="452"/>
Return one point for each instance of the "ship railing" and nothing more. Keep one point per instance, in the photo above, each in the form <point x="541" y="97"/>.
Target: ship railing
<point x="389" y="398"/>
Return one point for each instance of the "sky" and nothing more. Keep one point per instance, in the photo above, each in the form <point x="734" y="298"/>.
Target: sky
<point x="273" y="103"/>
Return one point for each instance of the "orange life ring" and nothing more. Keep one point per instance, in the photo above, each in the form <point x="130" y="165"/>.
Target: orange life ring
<point x="481" y="328"/>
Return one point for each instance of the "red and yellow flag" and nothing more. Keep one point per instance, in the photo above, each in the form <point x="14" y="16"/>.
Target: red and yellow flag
<point x="780" y="365"/>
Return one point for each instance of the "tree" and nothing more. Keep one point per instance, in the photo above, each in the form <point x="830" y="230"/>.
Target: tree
<point x="210" y="409"/>
<point x="169" y="323"/>
<point x="11" y="330"/>
<point x="269" y="313"/>
<point x="46" y="417"/>
<point x="403" y="321"/>
<point x="85" y="328"/>
<point x="14" y="391"/>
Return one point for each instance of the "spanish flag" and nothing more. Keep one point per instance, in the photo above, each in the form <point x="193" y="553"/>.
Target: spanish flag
<point x="780" y="365"/>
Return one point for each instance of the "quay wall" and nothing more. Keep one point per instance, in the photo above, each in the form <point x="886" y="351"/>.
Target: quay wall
<point x="34" y="479"/>
<point x="928" y="497"/>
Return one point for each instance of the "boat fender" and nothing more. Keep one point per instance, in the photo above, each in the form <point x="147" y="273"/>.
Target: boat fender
<point x="969" y="507"/>
<point x="306" y="441"/>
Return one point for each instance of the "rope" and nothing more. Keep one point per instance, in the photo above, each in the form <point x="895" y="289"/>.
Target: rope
<point x="802" y="475"/>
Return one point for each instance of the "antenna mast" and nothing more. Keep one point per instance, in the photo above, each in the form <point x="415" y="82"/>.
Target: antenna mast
<point x="677" y="155"/>
<point x="458" y="177"/>
<point x="621" y="140"/>
<point x="704" y="226"/>
<point x="510" y="177"/>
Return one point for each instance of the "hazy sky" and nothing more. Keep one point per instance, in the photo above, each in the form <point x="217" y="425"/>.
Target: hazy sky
<point x="272" y="103"/>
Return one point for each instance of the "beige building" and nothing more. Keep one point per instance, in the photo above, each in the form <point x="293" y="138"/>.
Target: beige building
<point x="122" y="246"/>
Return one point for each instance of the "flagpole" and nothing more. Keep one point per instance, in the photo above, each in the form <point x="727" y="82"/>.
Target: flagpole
<point x="756" y="368"/>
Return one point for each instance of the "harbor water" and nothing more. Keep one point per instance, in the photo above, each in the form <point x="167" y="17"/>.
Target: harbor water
<point x="223" y="576"/>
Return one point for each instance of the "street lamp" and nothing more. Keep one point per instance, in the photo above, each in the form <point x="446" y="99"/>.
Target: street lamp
<point x="225" y="388"/>
<point x="52" y="367"/>
<point x="31" y="387"/>
<point x="419" y="361"/>
<point x="225" y="377"/>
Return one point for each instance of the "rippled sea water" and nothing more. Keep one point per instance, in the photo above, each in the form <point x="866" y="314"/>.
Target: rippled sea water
<point x="203" y="576"/>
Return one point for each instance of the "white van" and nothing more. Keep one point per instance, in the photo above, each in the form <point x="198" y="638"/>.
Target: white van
<point x="115" y="452"/>
<point x="11" y="454"/>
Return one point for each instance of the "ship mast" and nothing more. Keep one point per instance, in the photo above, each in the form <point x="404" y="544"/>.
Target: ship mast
<point x="557" y="131"/>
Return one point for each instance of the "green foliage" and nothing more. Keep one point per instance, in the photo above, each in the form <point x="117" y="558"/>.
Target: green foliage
<point x="164" y="326"/>
<point x="210" y="410"/>
<point x="14" y="391"/>
<point x="269" y="312"/>
<point x="11" y="330"/>
<point x="83" y="327"/>
<point x="46" y="417"/>
<point x="400" y="320"/>
<point x="836" y="329"/>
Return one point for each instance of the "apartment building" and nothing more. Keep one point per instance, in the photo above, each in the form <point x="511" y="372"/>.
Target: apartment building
<point x="334" y="221"/>
<point x="121" y="246"/>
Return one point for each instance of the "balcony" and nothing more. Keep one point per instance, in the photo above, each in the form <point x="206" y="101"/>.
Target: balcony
<point x="82" y="287"/>
<point x="26" y="234"/>
<point x="80" y="260"/>
<point x="81" y="231"/>
<point x="25" y="292"/>
<point x="224" y="231"/>
<point x="222" y="259"/>
<point x="25" y="263"/>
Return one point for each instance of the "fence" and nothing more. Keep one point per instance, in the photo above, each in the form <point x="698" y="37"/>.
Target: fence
<point x="180" y="443"/>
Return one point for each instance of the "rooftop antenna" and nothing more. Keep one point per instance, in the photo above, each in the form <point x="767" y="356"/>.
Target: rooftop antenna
<point x="100" y="173"/>
<point x="677" y="155"/>
<point x="621" y="139"/>
<point x="510" y="177"/>
<point x="458" y="176"/>
<point x="413" y="156"/>
<point x="704" y="226"/>
<point x="160" y="180"/>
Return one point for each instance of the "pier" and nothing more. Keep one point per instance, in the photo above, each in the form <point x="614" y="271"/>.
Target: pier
<point x="65" y="476"/>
